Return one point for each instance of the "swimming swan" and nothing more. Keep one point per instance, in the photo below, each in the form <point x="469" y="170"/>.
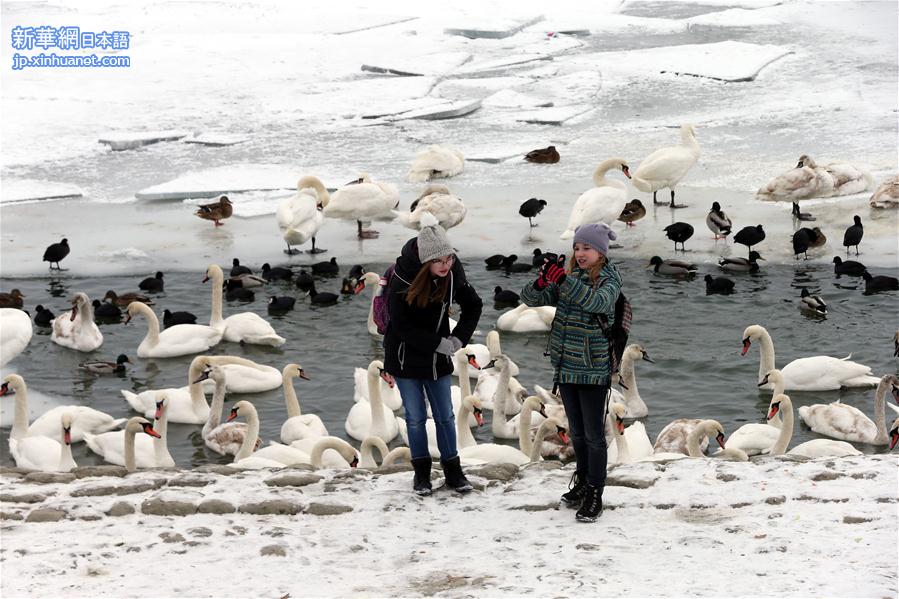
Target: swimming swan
<point x="15" y="333"/>
<point x="816" y="448"/>
<point x="147" y="452"/>
<point x="525" y="319"/>
<point x="45" y="454"/>
<point x="298" y="425"/>
<point x="114" y="451"/>
<point x="246" y="327"/>
<point x="842" y="421"/>
<point x="179" y="340"/>
<point x="372" y="418"/>
<point x="224" y="438"/>
<point x="77" y="330"/>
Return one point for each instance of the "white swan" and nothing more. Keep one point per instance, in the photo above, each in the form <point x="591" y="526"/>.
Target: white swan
<point x="502" y="428"/>
<point x="849" y="179"/>
<point x="805" y="180"/>
<point x="774" y="377"/>
<point x="77" y="330"/>
<point x="634" y="438"/>
<point x="388" y="458"/>
<point x="245" y="327"/>
<point x="436" y="199"/>
<point x="817" y="373"/>
<point x="461" y="362"/>
<point x="150" y="452"/>
<point x="673" y="438"/>
<point x="636" y="407"/>
<point x="224" y="438"/>
<point x="364" y="202"/>
<point x="816" y="448"/>
<point x="701" y="432"/>
<point x="436" y="161"/>
<point x="390" y="394"/>
<point x="525" y="319"/>
<point x="298" y="425"/>
<point x="887" y="195"/>
<point x="845" y="422"/>
<point x="45" y="453"/>
<point x="372" y="280"/>
<point x="753" y="438"/>
<point x="186" y="405"/>
<point x="300" y="217"/>
<point x="117" y="447"/>
<point x="179" y="340"/>
<point x="603" y="203"/>
<point x="471" y="453"/>
<point x="15" y="333"/>
<point x="327" y="452"/>
<point x="372" y="418"/>
<point x="84" y="419"/>
<point x="667" y="166"/>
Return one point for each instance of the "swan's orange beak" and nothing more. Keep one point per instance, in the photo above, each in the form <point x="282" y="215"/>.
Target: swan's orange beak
<point x="746" y="344"/>
<point x="479" y="416"/>
<point x="720" y="439"/>
<point x="148" y="428"/>
<point x="387" y="379"/>
<point x="5" y="390"/>
<point x="359" y="287"/>
<point x="232" y="415"/>
<point x="774" y="410"/>
<point x="563" y="434"/>
<point x="473" y="362"/>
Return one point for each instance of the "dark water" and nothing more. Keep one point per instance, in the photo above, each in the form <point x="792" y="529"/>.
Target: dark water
<point x="694" y="339"/>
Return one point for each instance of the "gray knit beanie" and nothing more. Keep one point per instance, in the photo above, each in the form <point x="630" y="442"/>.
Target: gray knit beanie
<point x="596" y="236"/>
<point x="433" y="243"/>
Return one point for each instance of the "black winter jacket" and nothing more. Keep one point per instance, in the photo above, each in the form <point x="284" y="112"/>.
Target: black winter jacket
<point x="414" y="333"/>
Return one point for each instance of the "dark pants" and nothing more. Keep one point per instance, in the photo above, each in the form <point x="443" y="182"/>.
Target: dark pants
<point x="585" y="406"/>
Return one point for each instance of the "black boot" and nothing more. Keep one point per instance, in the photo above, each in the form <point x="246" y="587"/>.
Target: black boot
<point x="577" y="488"/>
<point x="455" y="478"/>
<point x="591" y="508"/>
<point x="421" y="484"/>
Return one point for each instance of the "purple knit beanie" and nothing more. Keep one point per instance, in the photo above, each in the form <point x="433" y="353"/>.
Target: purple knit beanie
<point x="597" y="236"/>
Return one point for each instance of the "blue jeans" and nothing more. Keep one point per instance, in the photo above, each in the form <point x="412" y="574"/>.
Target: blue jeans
<point x="585" y="406"/>
<point x="438" y="393"/>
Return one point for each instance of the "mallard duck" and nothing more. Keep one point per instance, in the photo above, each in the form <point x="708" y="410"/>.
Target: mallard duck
<point x="548" y="155"/>
<point x="126" y="298"/>
<point x="741" y="264"/>
<point x="633" y="211"/>
<point x="216" y="211"/>
<point x="679" y="233"/>
<point x="812" y="303"/>
<point x="56" y="252"/>
<point x="13" y="299"/>
<point x="100" y="367"/>
<point x="718" y="222"/>
<point x="671" y="267"/>
<point x="246" y="281"/>
<point x="152" y="284"/>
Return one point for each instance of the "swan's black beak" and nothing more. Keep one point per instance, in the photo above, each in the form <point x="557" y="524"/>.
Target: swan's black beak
<point x="490" y="364"/>
<point x="5" y="390"/>
<point x="203" y="376"/>
<point x="302" y="375"/>
<point x="764" y="381"/>
<point x="720" y="439"/>
<point x="542" y="410"/>
<point x="647" y="358"/>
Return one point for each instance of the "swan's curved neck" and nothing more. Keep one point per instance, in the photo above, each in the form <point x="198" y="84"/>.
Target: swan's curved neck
<point x="375" y="290"/>
<point x="693" y="449"/>
<point x="524" y="429"/>
<point x="786" y="431"/>
<point x="20" y="424"/>
<point x="464" y="381"/>
<point x="218" y="279"/>
<point x="290" y="397"/>
<point x="376" y="405"/>
<point x="776" y="422"/>
<point x="161" y="445"/>
<point x="766" y="354"/>
<point x="367" y="451"/>
<point x="629" y="377"/>
<point x="85" y="314"/>
<point x="534" y="453"/>
<point x="320" y="447"/>
<point x="152" y="324"/>
<point x="464" y="438"/>
<point x="250" y="439"/>
<point x="501" y="397"/>
<point x="493" y="345"/>
<point x="880" y="417"/>
<point x="129" y="450"/>
<point x="215" y="411"/>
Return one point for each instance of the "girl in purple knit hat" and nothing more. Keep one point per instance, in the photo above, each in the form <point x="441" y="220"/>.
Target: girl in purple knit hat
<point x="584" y="294"/>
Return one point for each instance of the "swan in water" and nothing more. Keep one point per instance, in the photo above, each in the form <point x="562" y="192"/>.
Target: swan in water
<point x="525" y="319"/>
<point x="502" y="428"/>
<point x="77" y="330"/>
<point x="696" y="440"/>
<point x="388" y="458"/>
<point x="636" y="407"/>
<point x="45" y="454"/>
<point x="816" y="448"/>
<point x="604" y="202"/>
<point x="667" y="166"/>
<point x="390" y="393"/>
<point x="372" y="418"/>
<point x="634" y="437"/>
<point x="179" y="340"/>
<point x="447" y="209"/>
<point x="147" y="452"/>
<point x="673" y="438"/>
<point x="332" y="452"/>
<point x="461" y="362"/>
<point x="15" y="333"/>
<point x="490" y="377"/>
<point x="436" y="162"/>
<point x="117" y="450"/>
<point x="817" y="373"/>
<point x="753" y="438"/>
<point x="887" y="195"/>
<point x="298" y="425"/>
<point x="300" y="217"/>
<point x="224" y="438"/>
<point x="363" y="202"/>
<point x="84" y="419"/>
<point x="245" y="327"/>
<point x="372" y="280"/>
<point x="845" y="422"/>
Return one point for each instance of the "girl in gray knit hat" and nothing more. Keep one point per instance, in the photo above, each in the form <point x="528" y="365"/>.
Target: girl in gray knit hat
<point x="419" y="346"/>
<point x="584" y="294"/>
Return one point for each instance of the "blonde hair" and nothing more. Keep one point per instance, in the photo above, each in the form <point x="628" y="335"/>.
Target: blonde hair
<point x="422" y="292"/>
<point x="594" y="270"/>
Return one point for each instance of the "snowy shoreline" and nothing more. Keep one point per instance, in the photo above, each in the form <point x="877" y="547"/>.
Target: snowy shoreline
<point x="773" y="527"/>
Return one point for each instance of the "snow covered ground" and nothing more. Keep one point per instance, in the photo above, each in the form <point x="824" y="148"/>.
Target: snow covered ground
<point x="687" y="528"/>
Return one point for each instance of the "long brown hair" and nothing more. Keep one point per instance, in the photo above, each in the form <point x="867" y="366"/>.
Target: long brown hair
<point x="594" y="270"/>
<point x="423" y="290"/>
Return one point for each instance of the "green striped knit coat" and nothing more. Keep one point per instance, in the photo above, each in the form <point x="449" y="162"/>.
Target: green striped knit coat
<point x="578" y="349"/>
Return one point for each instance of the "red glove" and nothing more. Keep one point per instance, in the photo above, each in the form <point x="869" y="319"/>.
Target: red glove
<point x="554" y="274"/>
<point x="541" y="283"/>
